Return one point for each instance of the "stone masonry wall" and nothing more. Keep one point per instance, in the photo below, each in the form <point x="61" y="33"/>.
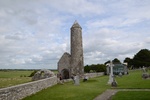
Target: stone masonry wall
<point x="20" y="91"/>
<point x="91" y="75"/>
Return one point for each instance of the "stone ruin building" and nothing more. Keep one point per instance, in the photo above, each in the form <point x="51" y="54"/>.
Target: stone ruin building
<point x="42" y="74"/>
<point x="117" y="69"/>
<point x="73" y="64"/>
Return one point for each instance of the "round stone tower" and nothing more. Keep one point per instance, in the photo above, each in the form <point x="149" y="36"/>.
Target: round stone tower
<point x="77" y="64"/>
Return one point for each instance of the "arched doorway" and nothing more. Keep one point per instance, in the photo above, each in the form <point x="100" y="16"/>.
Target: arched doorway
<point x="65" y="74"/>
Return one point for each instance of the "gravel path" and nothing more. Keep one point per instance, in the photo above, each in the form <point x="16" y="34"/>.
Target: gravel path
<point x="110" y="92"/>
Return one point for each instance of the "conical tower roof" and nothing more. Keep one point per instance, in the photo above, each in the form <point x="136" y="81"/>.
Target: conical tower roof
<point x="76" y="25"/>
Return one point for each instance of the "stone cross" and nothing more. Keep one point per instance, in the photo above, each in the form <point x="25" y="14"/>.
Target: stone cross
<point x="144" y="70"/>
<point x="111" y="73"/>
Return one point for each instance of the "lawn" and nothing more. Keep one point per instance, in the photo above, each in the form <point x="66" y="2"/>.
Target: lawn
<point x="10" y="78"/>
<point x="85" y="91"/>
<point x="92" y="88"/>
<point x="133" y="80"/>
<point x="131" y="95"/>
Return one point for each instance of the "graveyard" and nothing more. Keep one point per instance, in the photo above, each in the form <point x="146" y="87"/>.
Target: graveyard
<point x="46" y="85"/>
<point x="130" y="86"/>
<point x="95" y="86"/>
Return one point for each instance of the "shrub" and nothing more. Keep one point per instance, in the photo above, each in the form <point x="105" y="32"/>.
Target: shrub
<point x="32" y="74"/>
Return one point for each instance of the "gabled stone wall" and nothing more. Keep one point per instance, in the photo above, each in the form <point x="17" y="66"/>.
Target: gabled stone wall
<point x="64" y="62"/>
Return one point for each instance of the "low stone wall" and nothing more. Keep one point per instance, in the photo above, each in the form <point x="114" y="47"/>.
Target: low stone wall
<point x="20" y="91"/>
<point x="91" y="75"/>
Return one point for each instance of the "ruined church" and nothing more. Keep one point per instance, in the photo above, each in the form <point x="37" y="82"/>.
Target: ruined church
<point x="73" y="64"/>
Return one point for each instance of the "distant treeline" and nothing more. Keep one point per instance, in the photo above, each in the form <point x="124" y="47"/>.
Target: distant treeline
<point x="24" y="69"/>
<point x="95" y="68"/>
<point x="142" y="58"/>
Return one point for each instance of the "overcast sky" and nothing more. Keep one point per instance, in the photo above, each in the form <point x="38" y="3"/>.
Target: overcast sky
<point x="34" y="34"/>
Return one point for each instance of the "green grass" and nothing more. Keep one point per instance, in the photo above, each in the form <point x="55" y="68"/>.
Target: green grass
<point x="131" y="95"/>
<point x="15" y="77"/>
<point x="13" y="74"/>
<point x="10" y="78"/>
<point x="90" y="89"/>
<point x="85" y="91"/>
<point x="133" y="80"/>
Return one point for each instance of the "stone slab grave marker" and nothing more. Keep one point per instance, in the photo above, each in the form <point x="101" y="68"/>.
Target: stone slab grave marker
<point x="145" y="74"/>
<point x="77" y="80"/>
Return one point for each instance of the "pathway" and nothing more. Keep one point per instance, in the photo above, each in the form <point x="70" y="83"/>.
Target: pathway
<point x="110" y="92"/>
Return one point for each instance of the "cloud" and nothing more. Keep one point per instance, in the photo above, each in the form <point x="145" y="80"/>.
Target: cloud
<point x="36" y="36"/>
<point x="16" y="36"/>
<point x="77" y="7"/>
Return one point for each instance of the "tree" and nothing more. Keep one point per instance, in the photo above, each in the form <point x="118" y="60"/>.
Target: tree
<point x="87" y="69"/>
<point x="95" y="68"/>
<point x="116" y="61"/>
<point x="107" y="62"/>
<point x="129" y="61"/>
<point x="142" y="58"/>
<point x="100" y="68"/>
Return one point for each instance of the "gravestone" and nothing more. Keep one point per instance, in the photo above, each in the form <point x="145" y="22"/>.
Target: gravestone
<point x="85" y="78"/>
<point x="120" y="74"/>
<point x="114" y="83"/>
<point x="145" y="74"/>
<point x="77" y="80"/>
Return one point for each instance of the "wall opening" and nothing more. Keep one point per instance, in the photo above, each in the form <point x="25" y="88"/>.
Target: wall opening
<point x="65" y="74"/>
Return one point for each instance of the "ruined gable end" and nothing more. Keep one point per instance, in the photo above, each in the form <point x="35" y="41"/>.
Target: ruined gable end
<point x="64" y="62"/>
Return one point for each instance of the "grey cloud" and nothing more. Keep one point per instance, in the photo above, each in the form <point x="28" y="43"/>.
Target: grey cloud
<point x="35" y="33"/>
<point x="77" y="7"/>
<point x="16" y="36"/>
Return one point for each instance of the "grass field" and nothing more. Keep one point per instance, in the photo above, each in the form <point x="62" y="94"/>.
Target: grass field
<point x="85" y="91"/>
<point x="92" y="88"/>
<point x="133" y="80"/>
<point x="132" y="95"/>
<point x="10" y="78"/>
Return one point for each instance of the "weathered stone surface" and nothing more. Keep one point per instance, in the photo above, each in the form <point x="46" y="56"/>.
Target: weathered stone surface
<point x="64" y="63"/>
<point x="73" y="64"/>
<point x="42" y="74"/>
<point x="77" y="80"/>
<point x="114" y="84"/>
<point x="20" y="91"/>
<point x="145" y="75"/>
<point x="77" y="64"/>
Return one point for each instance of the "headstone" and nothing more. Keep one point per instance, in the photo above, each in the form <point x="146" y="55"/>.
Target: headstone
<point x="144" y="70"/>
<point x="120" y="74"/>
<point x="77" y="80"/>
<point x="114" y="83"/>
<point x="145" y="74"/>
<point x="85" y="78"/>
